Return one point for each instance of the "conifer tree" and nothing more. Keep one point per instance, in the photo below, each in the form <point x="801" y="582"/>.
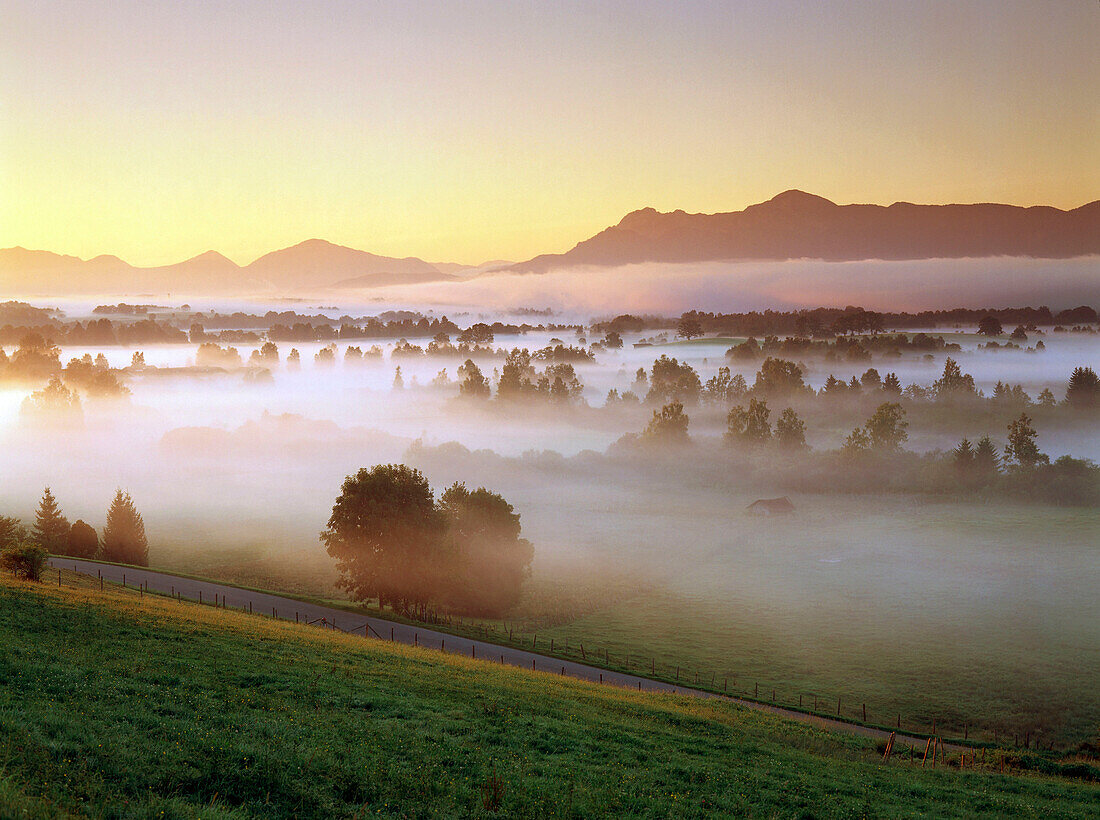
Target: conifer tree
<point x="987" y="461"/>
<point x="124" y="536"/>
<point x="51" y="528"/>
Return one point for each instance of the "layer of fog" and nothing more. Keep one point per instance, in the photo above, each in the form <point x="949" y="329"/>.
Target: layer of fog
<point x="669" y="289"/>
<point x="741" y="286"/>
<point x="219" y="466"/>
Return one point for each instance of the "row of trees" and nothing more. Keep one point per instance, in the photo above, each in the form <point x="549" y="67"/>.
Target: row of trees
<point x="672" y="381"/>
<point x="395" y="542"/>
<point x="873" y="457"/>
<point x="850" y="319"/>
<point x="123" y="538"/>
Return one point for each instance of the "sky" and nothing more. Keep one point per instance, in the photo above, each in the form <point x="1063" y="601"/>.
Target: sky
<point x="470" y="131"/>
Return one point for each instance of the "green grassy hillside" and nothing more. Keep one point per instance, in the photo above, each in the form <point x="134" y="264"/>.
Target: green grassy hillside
<point x="118" y="706"/>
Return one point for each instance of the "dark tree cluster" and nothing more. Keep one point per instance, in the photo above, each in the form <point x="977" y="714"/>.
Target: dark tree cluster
<point x="394" y="542"/>
<point x="123" y="540"/>
<point x="519" y="380"/>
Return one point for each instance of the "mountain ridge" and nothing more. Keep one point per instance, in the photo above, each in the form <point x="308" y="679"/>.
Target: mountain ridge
<point x="798" y="225"/>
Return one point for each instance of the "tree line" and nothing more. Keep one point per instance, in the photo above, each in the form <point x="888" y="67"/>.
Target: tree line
<point x="850" y="319"/>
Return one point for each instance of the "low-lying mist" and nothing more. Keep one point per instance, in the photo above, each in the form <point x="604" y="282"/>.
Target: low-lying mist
<point x="738" y="286"/>
<point x="236" y="476"/>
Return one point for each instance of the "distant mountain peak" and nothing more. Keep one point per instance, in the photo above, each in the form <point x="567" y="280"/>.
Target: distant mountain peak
<point x="211" y="256"/>
<point x="796" y="200"/>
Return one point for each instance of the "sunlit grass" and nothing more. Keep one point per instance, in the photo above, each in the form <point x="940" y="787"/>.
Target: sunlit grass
<point x="120" y="704"/>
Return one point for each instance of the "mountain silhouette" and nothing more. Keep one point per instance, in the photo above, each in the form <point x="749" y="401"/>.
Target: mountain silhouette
<point x="316" y="263"/>
<point x="797" y="225"/>
<point x="792" y="225"/>
<point x="308" y="266"/>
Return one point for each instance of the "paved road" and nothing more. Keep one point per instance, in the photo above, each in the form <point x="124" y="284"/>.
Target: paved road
<point x="290" y="609"/>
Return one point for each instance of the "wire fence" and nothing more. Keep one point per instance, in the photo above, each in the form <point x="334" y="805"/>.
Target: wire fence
<point x="639" y="669"/>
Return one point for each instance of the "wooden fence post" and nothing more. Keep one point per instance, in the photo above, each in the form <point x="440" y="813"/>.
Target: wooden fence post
<point x="865" y="713"/>
<point x="838" y="707"/>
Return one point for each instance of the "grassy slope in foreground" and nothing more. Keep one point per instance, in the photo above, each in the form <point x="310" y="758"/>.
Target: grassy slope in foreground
<point x="119" y="706"/>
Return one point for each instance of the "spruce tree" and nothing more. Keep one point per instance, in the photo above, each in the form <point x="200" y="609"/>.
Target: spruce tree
<point x="1083" y="392"/>
<point x="124" y="536"/>
<point x="987" y="461"/>
<point x="51" y="528"/>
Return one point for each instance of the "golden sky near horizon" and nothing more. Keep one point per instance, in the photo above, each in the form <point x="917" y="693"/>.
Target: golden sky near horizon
<point x="483" y="130"/>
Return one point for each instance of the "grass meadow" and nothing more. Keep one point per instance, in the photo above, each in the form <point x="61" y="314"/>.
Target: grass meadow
<point x="115" y="705"/>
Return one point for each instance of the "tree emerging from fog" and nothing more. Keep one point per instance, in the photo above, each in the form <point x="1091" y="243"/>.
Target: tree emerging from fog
<point x="491" y="559"/>
<point x="749" y="426"/>
<point x="670" y="381"/>
<point x="1083" y="392"/>
<point x="1021" y="448"/>
<point x="669" y="425"/>
<point x="393" y="542"/>
<point x="124" y="539"/>
<point x="51" y="527"/>
<point x="473" y="383"/>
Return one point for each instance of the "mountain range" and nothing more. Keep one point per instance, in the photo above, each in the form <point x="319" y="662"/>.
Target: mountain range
<point x="313" y="265"/>
<point x="792" y="225"/>
<point x="797" y="225"/>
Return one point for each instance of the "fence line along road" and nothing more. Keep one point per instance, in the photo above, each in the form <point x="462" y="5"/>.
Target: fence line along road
<point x="262" y="603"/>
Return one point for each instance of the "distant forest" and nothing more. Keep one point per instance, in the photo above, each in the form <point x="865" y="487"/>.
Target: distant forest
<point x="125" y="324"/>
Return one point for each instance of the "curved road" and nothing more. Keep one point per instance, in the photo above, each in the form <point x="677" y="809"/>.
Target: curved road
<point x="290" y="609"/>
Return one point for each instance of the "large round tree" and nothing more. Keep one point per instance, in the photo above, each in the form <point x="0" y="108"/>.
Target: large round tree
<point x="492" y="560"/>
<point x="386" y="536"/>
<point x="83" y="541"/>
